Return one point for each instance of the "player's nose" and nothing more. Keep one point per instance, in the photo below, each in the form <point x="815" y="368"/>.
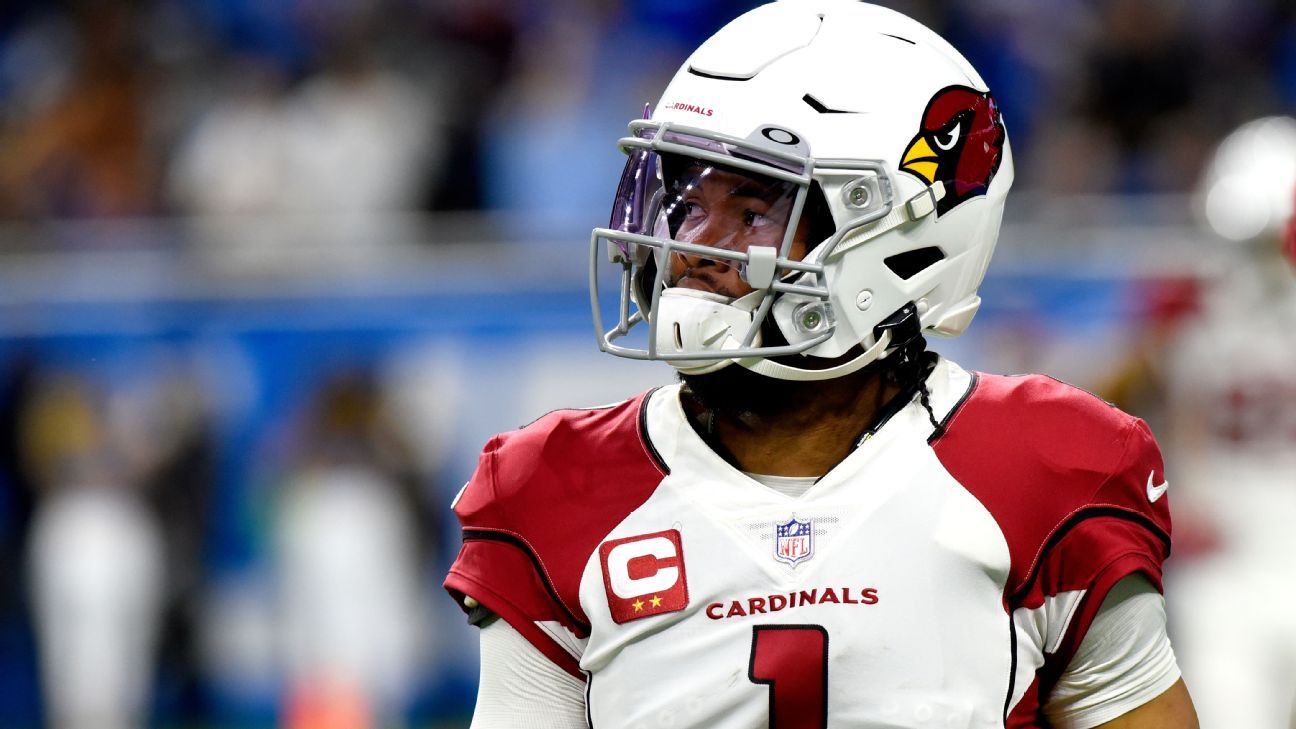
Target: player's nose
<point x="717" y="231"/>
<point x="697" y="260"/>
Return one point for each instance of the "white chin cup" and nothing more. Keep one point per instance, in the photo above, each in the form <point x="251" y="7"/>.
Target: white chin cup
<point x="700" y="321"/>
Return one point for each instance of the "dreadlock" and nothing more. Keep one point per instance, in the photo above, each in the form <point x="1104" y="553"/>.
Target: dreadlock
<point x="913" y="365"/>
<point x="910" y="363"/>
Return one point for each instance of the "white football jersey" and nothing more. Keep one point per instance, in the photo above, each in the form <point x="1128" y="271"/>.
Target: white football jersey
<point x="1232" y="399"/>
<point x="936" y="579"/>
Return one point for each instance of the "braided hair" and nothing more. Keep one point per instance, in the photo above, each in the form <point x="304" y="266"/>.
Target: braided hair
<point x="910" y="364"/>
<point x="913" y="364"/>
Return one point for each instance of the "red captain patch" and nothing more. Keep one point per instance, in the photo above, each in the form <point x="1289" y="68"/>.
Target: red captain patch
<point x="644" y="575"/>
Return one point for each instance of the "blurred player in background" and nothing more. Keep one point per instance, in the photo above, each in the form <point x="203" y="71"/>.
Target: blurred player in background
<point x="825" y="524"/>
<point x="1231" y="396"/>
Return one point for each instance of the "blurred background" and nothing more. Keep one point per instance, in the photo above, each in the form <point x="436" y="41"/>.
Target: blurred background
<point x="272" y="271"/>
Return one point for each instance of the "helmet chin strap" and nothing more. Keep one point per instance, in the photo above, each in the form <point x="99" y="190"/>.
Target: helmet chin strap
<point x="896" y="332"/>
<point x="780" y="371"/>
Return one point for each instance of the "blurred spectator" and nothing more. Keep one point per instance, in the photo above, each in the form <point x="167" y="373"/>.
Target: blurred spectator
<point x="359" y="138"/>
<point x="120" y="478"/>
<point x="96" y="565"/>
<point x="232" y="162"/>
<point x="354" y="531"/>
<point x="476" y="43"/>
<point x="354" y="138"/>
<point x="83" y="152"/>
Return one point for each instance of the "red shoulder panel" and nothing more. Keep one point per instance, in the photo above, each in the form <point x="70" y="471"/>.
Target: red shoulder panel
<point x="1077" y="488"/>
<point x="538" y="505"/>
<point x="1043" y="457"/>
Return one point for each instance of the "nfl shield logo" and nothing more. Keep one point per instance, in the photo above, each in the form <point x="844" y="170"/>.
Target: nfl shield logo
<point x="794" y="541"/>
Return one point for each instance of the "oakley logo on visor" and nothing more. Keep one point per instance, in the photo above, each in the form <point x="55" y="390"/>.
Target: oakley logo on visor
<point x="780" y="136"/>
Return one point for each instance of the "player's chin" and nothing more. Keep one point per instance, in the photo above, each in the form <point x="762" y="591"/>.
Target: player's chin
<point x="739" y="392"/>
<point x="733" y="390"/>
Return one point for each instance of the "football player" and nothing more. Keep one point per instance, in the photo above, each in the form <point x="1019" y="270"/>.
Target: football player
<point x="1231" y="398"/>
<point x="824" y="524"/>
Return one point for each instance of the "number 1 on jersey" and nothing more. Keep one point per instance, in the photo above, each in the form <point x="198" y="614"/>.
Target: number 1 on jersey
<point x="793" y="661"/>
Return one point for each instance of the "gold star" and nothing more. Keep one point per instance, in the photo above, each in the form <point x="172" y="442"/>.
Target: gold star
<point x="656" y="601"/>
<point x="638" y="605"/>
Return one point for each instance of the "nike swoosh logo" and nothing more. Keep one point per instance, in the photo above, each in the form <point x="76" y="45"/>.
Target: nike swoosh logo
<point x="1156" y="491"/>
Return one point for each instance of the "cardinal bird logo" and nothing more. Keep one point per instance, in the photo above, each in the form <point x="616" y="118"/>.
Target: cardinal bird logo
<point x="960" y="144"/>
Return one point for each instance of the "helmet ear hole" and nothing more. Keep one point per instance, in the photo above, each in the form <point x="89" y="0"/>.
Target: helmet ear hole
<point x="911" y="263"/>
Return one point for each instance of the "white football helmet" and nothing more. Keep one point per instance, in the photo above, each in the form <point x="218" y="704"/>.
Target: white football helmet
<point x="830" y="108"/>
<point x="1245" y="193"/>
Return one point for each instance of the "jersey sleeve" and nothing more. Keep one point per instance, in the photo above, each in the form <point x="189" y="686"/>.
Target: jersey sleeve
<point x="534" y="512"/>
<point x="499" y="567"/>
<point x="1124" y="529"/>
<point x="520" y="688"/>
<point x="1121" y="530"/>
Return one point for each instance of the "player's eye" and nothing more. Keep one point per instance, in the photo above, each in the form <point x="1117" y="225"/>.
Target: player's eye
<point x="946" y="138"/>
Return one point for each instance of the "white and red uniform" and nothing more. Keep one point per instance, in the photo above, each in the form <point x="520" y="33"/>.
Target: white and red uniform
<point x="1232" y="400"/>
<point x="939" y="580"/>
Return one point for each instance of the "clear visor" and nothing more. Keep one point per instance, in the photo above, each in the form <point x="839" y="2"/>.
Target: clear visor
<point x="702" y="203"/>
<point x="706" y="193"/>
